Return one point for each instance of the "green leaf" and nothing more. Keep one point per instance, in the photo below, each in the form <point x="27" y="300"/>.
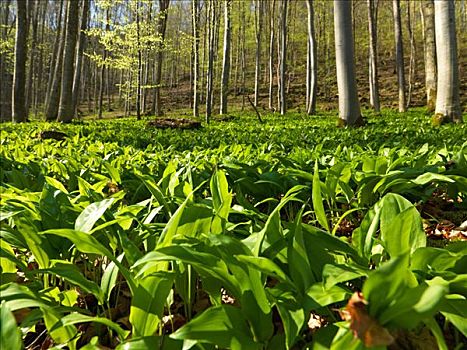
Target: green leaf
<point x="71" y="273"/>
<point x="317" y="200"/>
<point x="152" y="343"/>
<point x="221" y="200"/>
<point x="148" y="302"/>
<point x="325" y="296"/>
<point x="222" y="325"/>
<point x="75" y="318"/>
<point x="10" y="334"/>
<point x="109" y="278"/>
<point x="334" y="274"/>
<point x="91" y="214"/>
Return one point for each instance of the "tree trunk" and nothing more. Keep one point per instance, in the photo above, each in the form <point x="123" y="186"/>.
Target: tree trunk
<point x="138" y="84"/>
<point x="399" y="55"/>
<point x="53" y="101"/>
<point x="19" y="111"/>
<point x="195" y="24"/>
<point x="312" y="62"/>
<point x="161" y="27"/>
<point x="226" y="58"/>
<point x="259" y="8"/>
<point x="283" y="58"/>
<point x="79" y="56"/>
<point x="66" y="111"/>
<point x="33" y="22"/>
<point x="349" y="106"/>
<point x="410" y="29"/>
<point x="373" y="54"/>
<point x="271" y="53"/>
<point x="5" y="90"/>
<point x="209" y="73"/>
<point x="447" y="99"/>
<point x="428" y="22"/>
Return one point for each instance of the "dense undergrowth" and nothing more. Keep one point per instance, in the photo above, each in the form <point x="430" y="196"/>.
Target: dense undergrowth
<point x="290" y="234"/>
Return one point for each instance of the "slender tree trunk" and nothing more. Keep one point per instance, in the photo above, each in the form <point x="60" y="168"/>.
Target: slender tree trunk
<point x="428" y="22"/>
<point x="349" y="106"/>
<point x="55" y="58"/>
<point x="195" y="26"/>
<point x="19" y="111"/>
<point x="161" y="27"/>
<point x="283" y="56"/>
<point x="5" y="97"/>
<point x="271" y="54"/>
<point x="138" y="85"/>
<point x="447" y="99"/>
<point x="79" y="56"/>
<point x="40" y="66"/>
<point x="373" y="54"/>
<point x="33" y="19"/>
<point x="399" y="55"/>
<point x="226" y="58"/>
<point x="312" y="62"/>
<point x="66" y="111"/>
<point x="259" y="9"/>
<point x="102" y="70"/>
<point x="243" y="50"/>
<point x="209" y="73"/>
<point x="410" y="30"/>
<point x="51" y="112"/>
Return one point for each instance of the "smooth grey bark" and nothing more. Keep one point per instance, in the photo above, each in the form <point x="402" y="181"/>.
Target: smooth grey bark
<point x="447" y="99"/>
<point x="226" y="58"/>
<point x="161" y="28"/>
<point x="259" y="8"/>
<point x="51" y="110"/>
<point x="56" y="53"/>
<point x="210" y="68"/>
<point x="283" y="58"/>
<point x="79" y="56"/>
<point x="5" y="90"/>
<point x="429" y="44"/>
<point x="138" y="84"/>
<point x="19" y="111"/>
<point x="399" y="55"/>
<point x="195" y="28"/>
<point x="373" y="54"/>
<point x="410" y="29"/>
<point x="66" y="112"/>
<point x="102" y="70"/>
<point x="312" y="62"/>
<point x="349" y="105"/>
<point x="271" y="53"/>
<point x="33" y="20"/>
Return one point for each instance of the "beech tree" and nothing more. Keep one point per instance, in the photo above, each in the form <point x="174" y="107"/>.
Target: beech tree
<point x="283" y="57"/>
<point x="226" y="58"/>
<point x="429" y="44"/>
<point x="399" y="55"/>
<point x="66" y="111"/>
<point x="447" y="98"/>
<point x="312" y="62"/>
<point x="349" y="105"/>
<point x="19" y="112"/>
<point x="373" y="53"/>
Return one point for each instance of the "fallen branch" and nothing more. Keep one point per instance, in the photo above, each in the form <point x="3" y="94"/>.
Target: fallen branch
<point x="256" y="109"/>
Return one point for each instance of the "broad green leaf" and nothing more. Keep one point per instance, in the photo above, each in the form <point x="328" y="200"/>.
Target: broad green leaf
<point x="9" y="333"/>
<point x="75" y="318"/>
<point x="334" y="274"/>
<point x="325" y="296"/>
<point x="109" y="278"/>
<point x="91" y="214"/>
<point x="317" y="200"/>
<point x="222" y="325"/>
<point x="152" y="343"/>
<point x="221" y="200"/>
<point x="148" y="302"/>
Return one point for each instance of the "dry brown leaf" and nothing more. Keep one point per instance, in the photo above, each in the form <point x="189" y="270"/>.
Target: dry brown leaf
<point x="365" y="327"/>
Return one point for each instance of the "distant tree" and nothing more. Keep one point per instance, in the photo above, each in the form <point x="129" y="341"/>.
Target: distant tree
<point x="447" y="99"/>
<point x="312" y="62"/>
<point x="428" y="23"/>
<point x="66" y="111"/>
<point x="19" y="111"/>
<point x="161" y="27"/>
<point x="399" y="55"/>
<point x="259" y="9"/>
<point x="283" y="57"/>
<point x="195" y="32"/>
<point x="349" y="105"/>
<point x="272" y="8"/>
<point x="373" y="53"/>
<point x="79" y="56"/>
<point x="226" y="57"/>
<point x="211" y="18"/>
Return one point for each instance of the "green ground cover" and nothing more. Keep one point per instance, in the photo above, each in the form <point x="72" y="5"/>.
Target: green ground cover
<point x="237" y="235"/>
